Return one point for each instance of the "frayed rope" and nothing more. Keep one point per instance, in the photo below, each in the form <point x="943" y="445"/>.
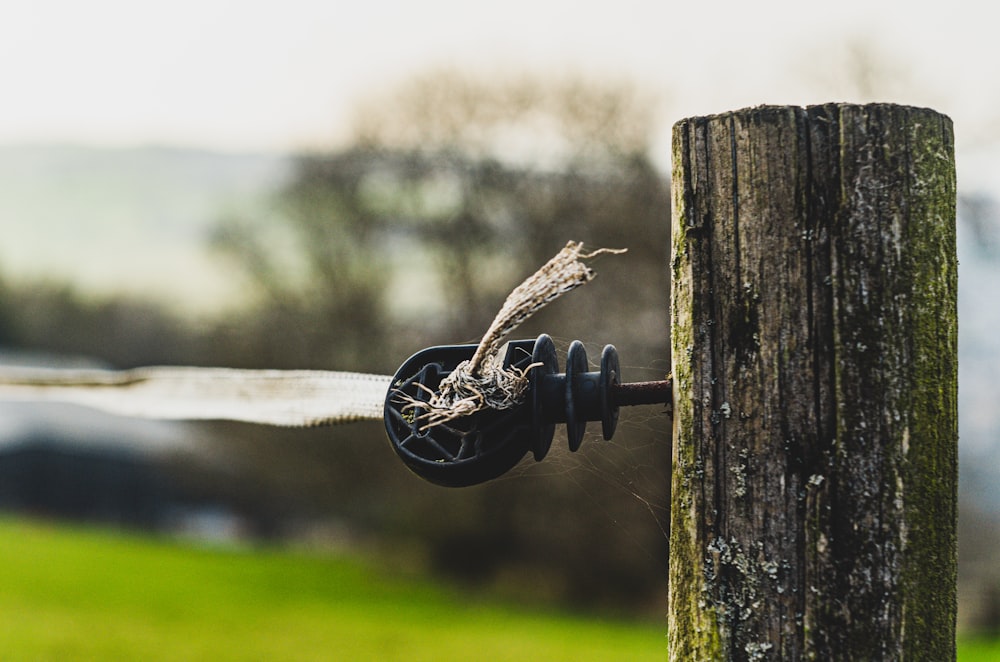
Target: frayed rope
<point x="482" y="382"/>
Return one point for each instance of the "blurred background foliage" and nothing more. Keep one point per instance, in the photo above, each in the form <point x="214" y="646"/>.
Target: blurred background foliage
<point x="453" y="190"/>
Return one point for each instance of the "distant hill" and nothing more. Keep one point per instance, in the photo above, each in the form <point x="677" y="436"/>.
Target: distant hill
<point x="127" y="220"/>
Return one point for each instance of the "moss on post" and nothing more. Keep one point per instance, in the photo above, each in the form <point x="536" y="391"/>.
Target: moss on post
<point x="814" y="342"/>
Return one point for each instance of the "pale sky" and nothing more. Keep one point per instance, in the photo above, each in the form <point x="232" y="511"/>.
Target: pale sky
<point x="283" y="74"/>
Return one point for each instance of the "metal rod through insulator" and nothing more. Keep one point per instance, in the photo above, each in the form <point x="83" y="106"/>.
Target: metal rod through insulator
<point x="642" y="393"/>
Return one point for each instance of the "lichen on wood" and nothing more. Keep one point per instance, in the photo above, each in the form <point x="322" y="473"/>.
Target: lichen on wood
<point x="815" y="379"/>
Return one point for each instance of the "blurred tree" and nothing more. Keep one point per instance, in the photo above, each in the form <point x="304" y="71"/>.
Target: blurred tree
<point x="323" y="307"/>
<point x="456" y="189"/>
<point x="536" y="121"/>
<point x="6" y="315"/>
<point x="52" y="317"/>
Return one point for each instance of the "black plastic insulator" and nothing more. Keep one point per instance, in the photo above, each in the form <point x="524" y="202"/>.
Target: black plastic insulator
<point x="469" y="450"/>
<point x="545" y="407"/>
<point x="476" y="448"/>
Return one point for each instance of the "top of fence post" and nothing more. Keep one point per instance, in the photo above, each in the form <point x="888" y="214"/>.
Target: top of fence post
<point x="814" y="343"/>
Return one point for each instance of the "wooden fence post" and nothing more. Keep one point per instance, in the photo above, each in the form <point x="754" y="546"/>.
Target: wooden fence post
<point x="814" y="341"/>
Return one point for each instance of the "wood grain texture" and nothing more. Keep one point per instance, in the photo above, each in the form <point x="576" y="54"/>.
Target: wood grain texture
<point x="814" y="342"/>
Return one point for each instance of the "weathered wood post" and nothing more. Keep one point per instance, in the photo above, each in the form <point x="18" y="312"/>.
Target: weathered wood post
<point x="815" y="385"/>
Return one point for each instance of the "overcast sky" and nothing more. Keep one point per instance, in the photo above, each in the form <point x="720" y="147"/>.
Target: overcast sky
<point x="283" y="74"/>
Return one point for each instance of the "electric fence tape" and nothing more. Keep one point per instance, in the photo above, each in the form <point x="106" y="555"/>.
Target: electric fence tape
<point x="301" y="398"/>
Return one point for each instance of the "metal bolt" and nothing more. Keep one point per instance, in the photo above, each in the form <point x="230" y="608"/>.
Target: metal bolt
<point x="642" y="393"/>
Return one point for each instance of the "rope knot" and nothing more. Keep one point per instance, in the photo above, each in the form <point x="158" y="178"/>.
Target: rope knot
<point x="483" y="382"/>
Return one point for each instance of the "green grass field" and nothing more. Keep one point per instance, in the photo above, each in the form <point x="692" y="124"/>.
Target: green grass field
<point x="74" y="594"/>
<point x="77" y="594"/>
